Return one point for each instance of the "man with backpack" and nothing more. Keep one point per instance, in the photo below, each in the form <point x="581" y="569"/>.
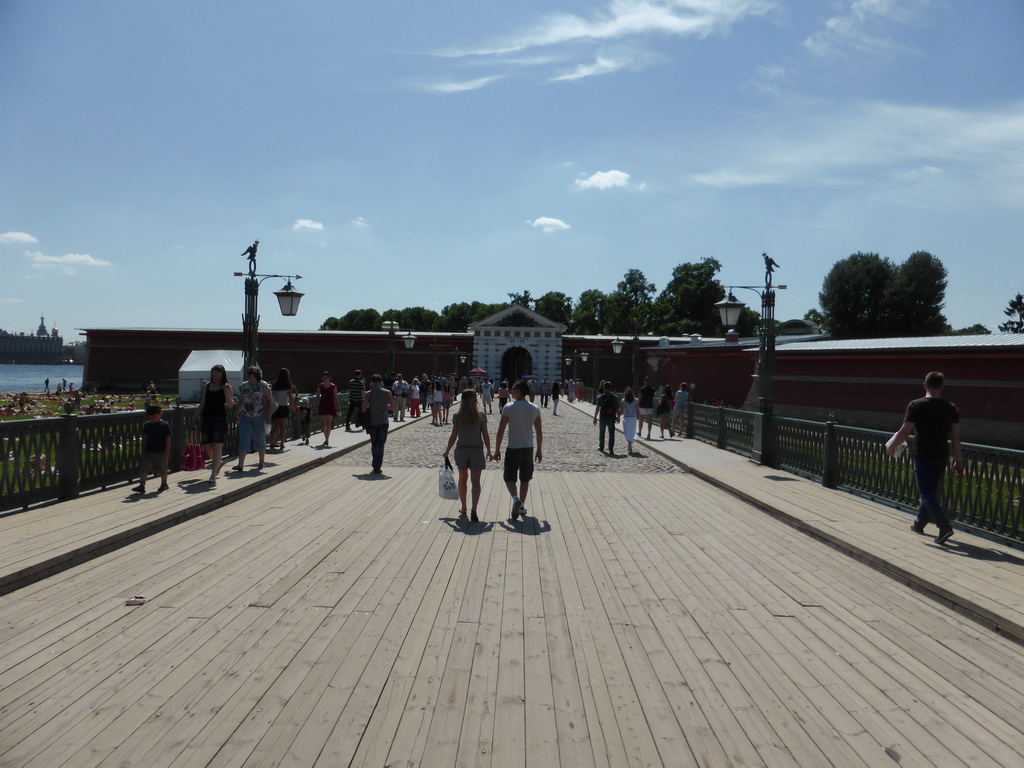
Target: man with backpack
<point x="608" y="412"/>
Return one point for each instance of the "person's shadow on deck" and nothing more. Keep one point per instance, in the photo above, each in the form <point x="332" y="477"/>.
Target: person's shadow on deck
<point x="978" y="552"/>
<point x="462" y="525"/>
<point x="372" y="476"/>
<point x="526" y="526"/>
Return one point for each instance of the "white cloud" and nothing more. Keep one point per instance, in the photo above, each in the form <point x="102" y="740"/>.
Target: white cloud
<point x="17" y="237"/>
<point x="68" y="261"/>
<point x="625" y="24"/>
<point x="457" y="87"/>
<point x="547" y="224"/>
<point x="866" y="27"/>
<point x="601" y="66"/>
<point x="360" y="222"/>
<point x="12" y="301"/>
<point x="307" y="224"/>
<point x="627" y="18"/>
<point x="982" y="151"/>
<point x="604" y="180"/>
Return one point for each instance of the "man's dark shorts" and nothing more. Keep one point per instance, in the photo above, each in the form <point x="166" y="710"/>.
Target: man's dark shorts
<point x="518" y="461"/>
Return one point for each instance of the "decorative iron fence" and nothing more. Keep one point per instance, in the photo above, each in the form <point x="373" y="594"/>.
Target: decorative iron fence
<point x="987" y="497"/>
<point x="59" y="458"/>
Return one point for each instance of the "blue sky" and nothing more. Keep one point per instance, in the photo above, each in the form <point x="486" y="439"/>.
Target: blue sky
<point x="401" y="154"/>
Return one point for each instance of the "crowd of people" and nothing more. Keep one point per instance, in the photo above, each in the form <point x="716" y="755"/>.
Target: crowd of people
<point x="264" y="410"/>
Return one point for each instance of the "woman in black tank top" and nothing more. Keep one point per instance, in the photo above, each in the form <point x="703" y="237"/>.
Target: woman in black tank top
<point x="212" y="415"/>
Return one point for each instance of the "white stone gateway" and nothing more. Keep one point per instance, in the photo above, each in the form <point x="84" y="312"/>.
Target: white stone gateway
<point x="518" y="342"/>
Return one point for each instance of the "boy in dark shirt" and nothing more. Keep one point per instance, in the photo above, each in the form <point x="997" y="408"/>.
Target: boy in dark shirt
<point x="156" y="448"/>
<point x="305" y="415"/>
<point x="935" y="420"/>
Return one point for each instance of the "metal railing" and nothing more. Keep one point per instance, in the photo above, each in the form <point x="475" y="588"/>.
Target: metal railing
<point x="987" y="497"/>
<point x="59" y="458"/>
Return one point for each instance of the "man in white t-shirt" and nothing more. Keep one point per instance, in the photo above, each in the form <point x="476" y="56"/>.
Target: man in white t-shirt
<point x="522" y="420"/>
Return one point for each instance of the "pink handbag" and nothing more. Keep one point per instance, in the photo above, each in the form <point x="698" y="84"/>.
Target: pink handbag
<point x="194" y="458"/>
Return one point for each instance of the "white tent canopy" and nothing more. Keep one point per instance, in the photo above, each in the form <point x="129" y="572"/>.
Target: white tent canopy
<point x="196" y="369"/>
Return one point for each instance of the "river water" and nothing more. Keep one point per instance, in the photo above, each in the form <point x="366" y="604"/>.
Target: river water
<point x="30" y="378"/>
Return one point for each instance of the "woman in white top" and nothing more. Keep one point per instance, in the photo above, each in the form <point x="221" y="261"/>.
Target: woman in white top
<point x="627" y="410"/>
<point x="414" y="398"/>
<point x="285" y="403"/>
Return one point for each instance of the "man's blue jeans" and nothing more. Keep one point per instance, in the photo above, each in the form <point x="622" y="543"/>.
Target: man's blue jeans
<point x="378" y="437"/>
<point x="607" y="424"/>
<point x="928" y="473"/>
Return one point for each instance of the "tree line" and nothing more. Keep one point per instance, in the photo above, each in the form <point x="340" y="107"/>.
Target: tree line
<point x="685" y="306"/>
<point x="863" y="296"/>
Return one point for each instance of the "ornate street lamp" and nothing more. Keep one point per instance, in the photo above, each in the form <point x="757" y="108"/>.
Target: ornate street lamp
<point x="730" y="308"/>
<point x="288" y="298"/>
<point x="576" y="355"/>
<point x="408" y="339"/>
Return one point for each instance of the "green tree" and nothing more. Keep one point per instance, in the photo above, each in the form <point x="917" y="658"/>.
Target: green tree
<point x="1014" y="311"/>
<point x="556" y="306"/>
<point x="915" y="296"/>
<point x="853" y="296"/>
<point x="628" y="308"/>
<point x="687" y="303"/>
<point x="417" y="318"/>
<point x="523" y="299"/>
<point x="815" y="316"/>
<point x="354" y="320"/>
<point x="588" y="315"/>
<point x="972" y="330"/>
<point x="458" y="317"/>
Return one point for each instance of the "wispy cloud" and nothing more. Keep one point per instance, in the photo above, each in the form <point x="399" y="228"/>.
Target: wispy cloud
<point x="568" y="39"/>
<point x="547" y="224"/>
<point x="604" y="180"/>
<point x="360" y="222"/>
<point x="17" y="237"/>
<point x="625" y="18"/>
<point x="67" y="263"/>
<point x="600" y="66"/>
<point x="457" y="87"/>
<point x="871" y="143"/>
<point x="865" y="27"/>
<point x="307" y="224"/>
<point x="12" y="301"/>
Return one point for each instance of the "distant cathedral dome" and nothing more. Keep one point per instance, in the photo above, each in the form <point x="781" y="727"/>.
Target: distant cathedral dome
<point x="42" y="328"/>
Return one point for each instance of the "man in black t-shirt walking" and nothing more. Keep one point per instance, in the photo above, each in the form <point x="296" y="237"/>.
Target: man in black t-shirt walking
<point x="935" y="420"/>
<point x="608" y="412"/>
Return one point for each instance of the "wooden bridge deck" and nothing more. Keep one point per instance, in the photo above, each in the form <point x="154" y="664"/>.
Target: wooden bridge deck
<point x="337" y="619"/>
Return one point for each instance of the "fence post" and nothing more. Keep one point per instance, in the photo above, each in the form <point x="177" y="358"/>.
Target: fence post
<point x="830" y="456"/>
<point x="179" y="438"/>
<point x="722" y="439"/>
<point x="763" y="450"/>
<point x="69" y="459"/>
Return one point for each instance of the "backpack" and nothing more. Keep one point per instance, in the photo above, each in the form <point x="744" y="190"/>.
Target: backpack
<point x="609" y="405"/>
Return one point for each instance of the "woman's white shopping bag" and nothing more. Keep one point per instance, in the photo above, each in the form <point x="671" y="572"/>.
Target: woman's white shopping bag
<point x="446" y="487"/>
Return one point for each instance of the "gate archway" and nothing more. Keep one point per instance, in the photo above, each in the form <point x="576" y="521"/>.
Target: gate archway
<point x="516" y="363"/>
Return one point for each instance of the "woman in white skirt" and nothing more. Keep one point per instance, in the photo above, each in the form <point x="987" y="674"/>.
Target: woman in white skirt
<point x="627" y="410"/>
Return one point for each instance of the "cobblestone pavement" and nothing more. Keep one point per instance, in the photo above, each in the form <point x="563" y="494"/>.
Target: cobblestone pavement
<point x="570" y="445"/>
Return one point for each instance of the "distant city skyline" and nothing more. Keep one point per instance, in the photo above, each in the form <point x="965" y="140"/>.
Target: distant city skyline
<point x="401" y="155"/>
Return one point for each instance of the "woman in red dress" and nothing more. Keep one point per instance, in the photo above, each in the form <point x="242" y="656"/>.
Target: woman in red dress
<point x="326" y="405"/>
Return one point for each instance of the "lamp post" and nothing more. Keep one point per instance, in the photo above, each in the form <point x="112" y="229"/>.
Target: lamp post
<point x="576" y="355"/>
<point x="618" y="345"/>
<point x="409" y="340"/>
<point x="288" y="299"/>
<point x="730" y="309"/>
